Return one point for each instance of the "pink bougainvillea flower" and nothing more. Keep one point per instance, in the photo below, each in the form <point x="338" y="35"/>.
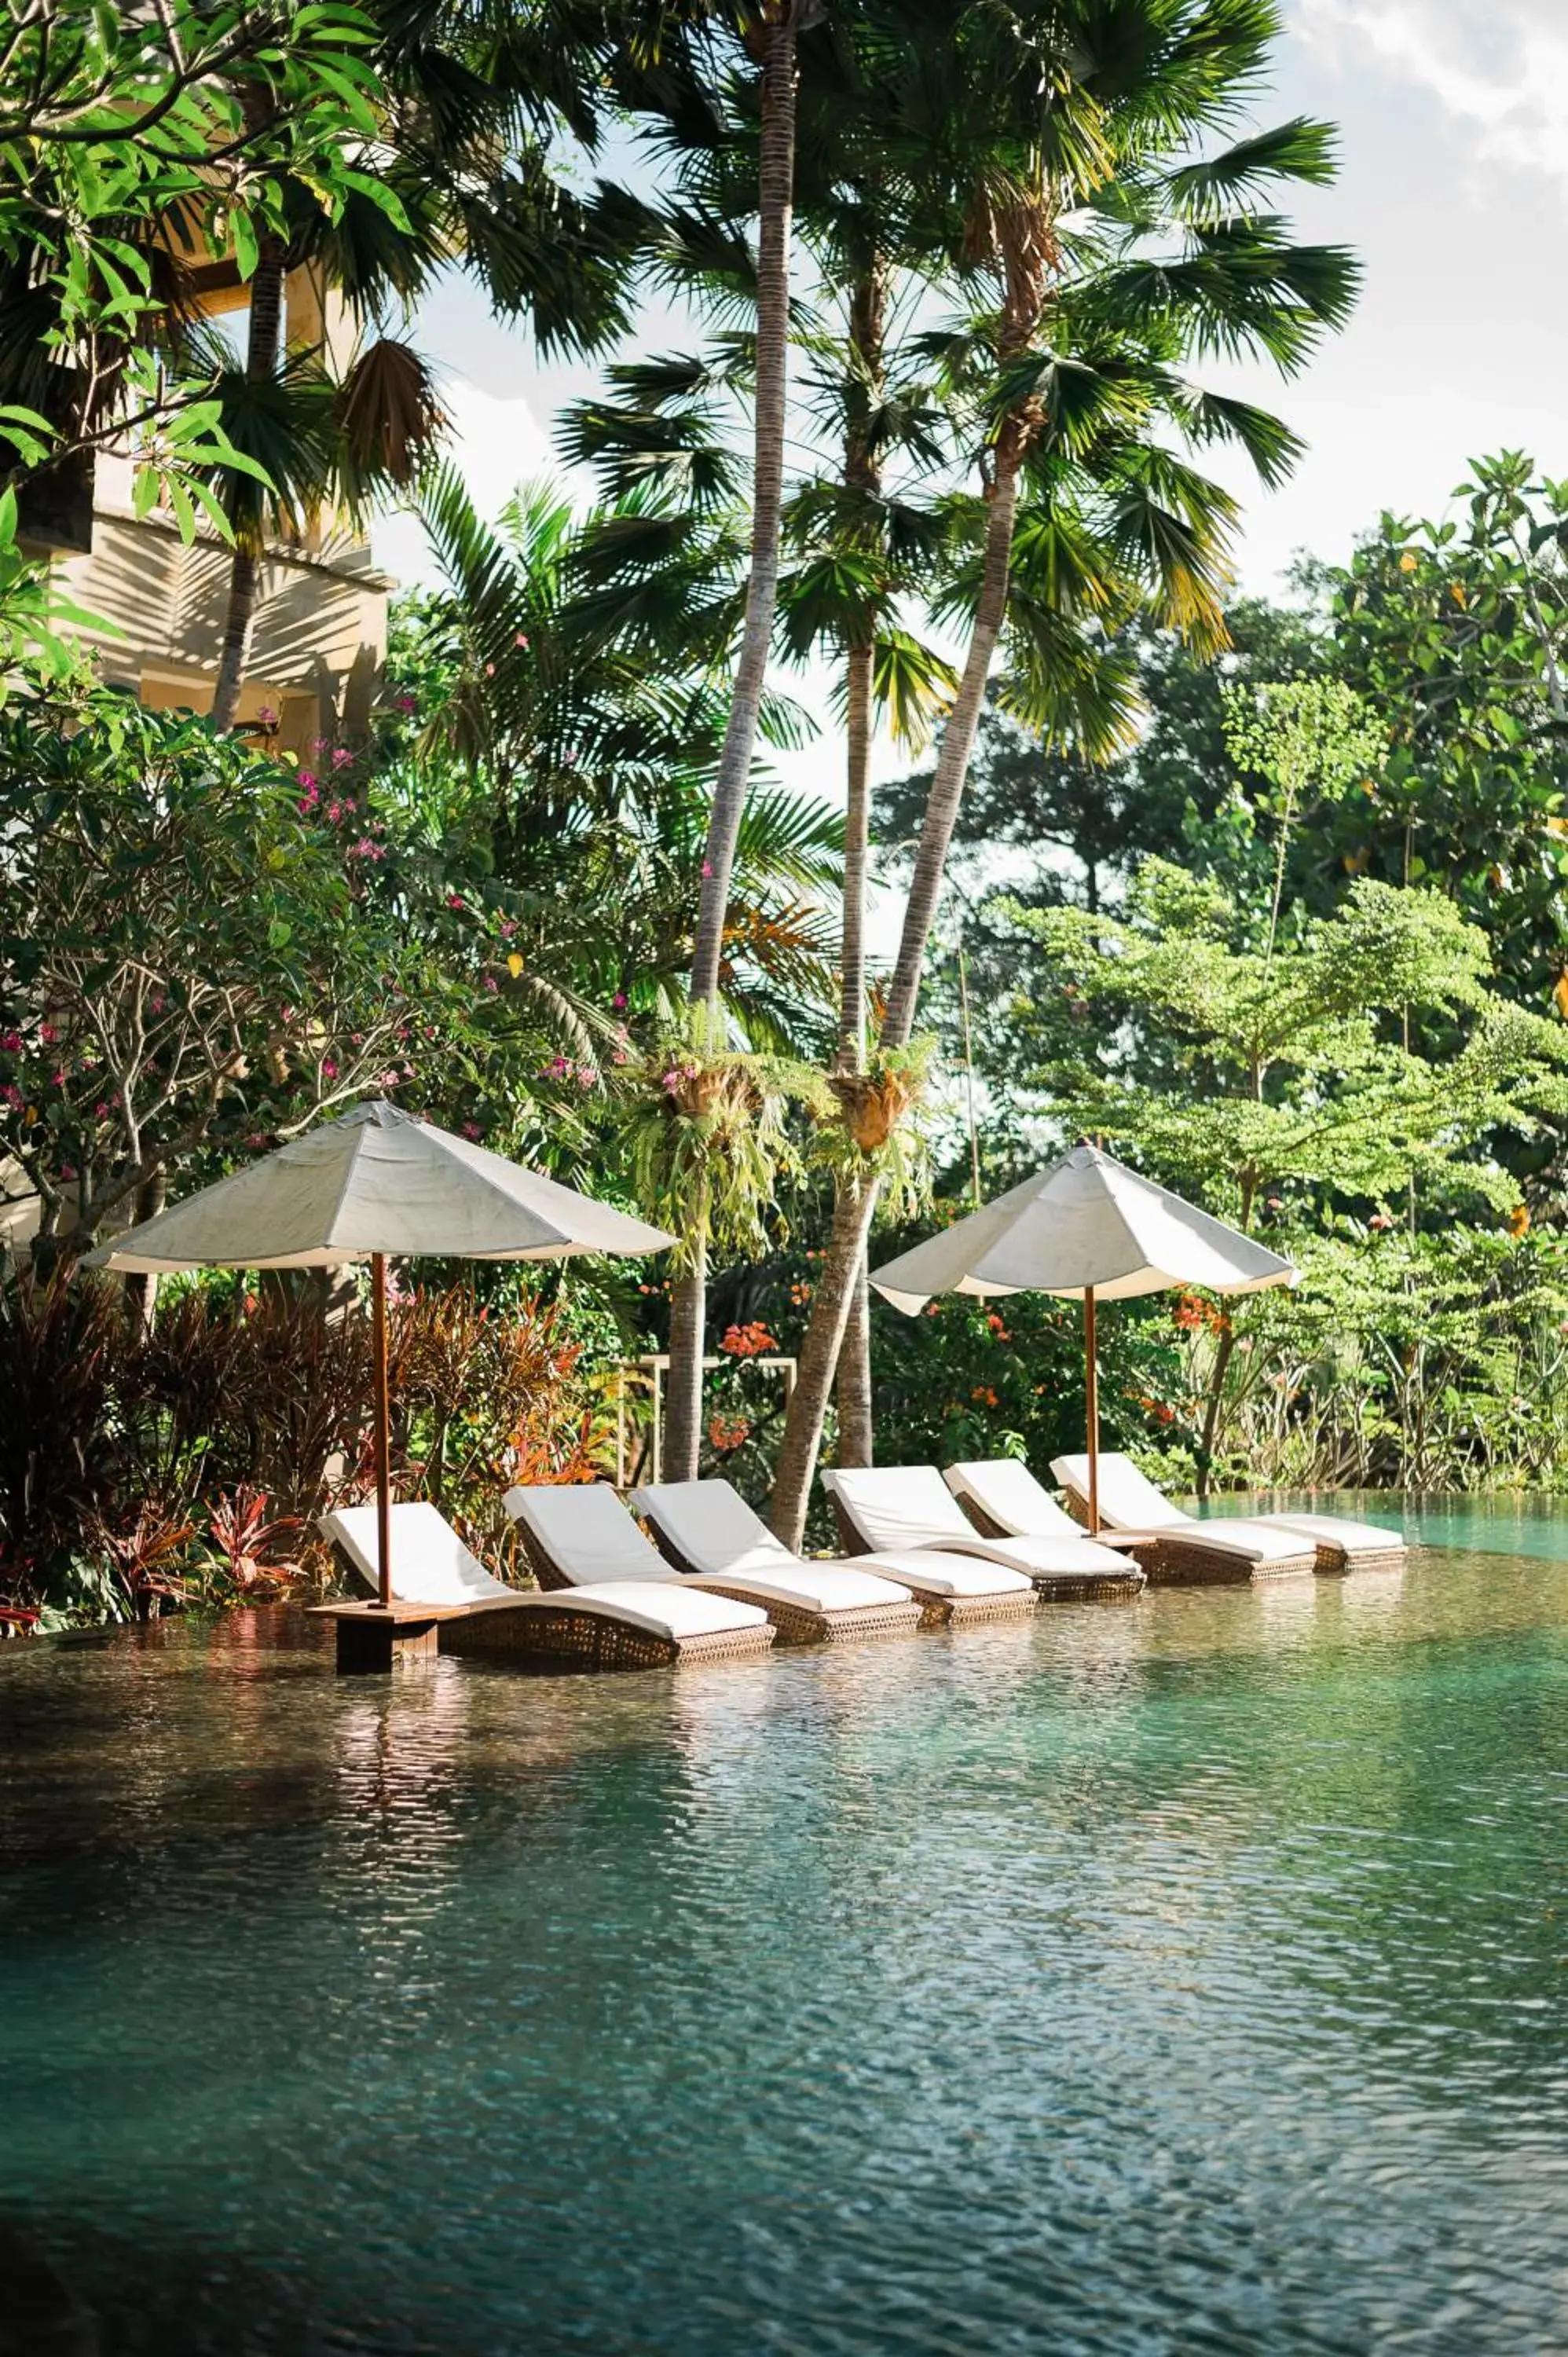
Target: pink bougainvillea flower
<point x="619" y="999"/>
<point x="472" y="1129"/>
<point x="48" y="1034"/>
<point x="491" y="984"/>
<point x="707" y="866"/>
<point x="341" y="757"/>
<point x="406" y="703"/>
<point x="508" y="926"/>
<point x="520" y="639"/>
<point x="101" y="1111"/>
<point x="328" y="1069"/>
<point x="456" y="901"/>
<point x="11" y="1041"/>
<point x="307" y="779"/>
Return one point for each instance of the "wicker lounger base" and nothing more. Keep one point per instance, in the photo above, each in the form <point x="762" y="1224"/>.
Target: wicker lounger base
<point x="571" y="1638"/>
<point x="797" y="1625"/>
<point x="1179" y="1563"/>
<point x="957" y="1611"/>
<point x="1335" y="1561"/>
<point x="1089" y="1586"/>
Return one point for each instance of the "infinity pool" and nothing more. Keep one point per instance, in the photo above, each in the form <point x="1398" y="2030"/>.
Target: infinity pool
<point x="1191" y="1978"/>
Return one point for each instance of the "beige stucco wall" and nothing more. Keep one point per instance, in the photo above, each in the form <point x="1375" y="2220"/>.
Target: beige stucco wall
<point x="321" y="618"/>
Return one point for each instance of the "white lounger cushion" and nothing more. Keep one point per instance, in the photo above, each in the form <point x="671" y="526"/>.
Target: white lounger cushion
<point x="886" y="1502"/>
<point x="930" y="1573"/>
<point x="1129" y="1501"/>
<point x="587" y="1532"/>
<point x="1336" y="1530"/>
<point x="1008" y="1494"/>
<point x="671" y="1607"/>
<point x="897" y="1505"/>
<point x="430" y="1565"/>
<point x="710" y="1525"/>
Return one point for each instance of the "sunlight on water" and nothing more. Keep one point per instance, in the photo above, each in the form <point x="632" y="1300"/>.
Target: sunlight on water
<point x="1192" y="1977"/>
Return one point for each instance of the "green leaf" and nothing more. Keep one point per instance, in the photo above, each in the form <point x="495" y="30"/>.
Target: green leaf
<point x="247" y="252"/>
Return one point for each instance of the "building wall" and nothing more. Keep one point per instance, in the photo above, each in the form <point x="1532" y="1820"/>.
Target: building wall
<point x="321" y="616"/>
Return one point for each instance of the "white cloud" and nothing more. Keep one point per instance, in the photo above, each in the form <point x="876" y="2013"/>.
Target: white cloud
<point x="1500" y="73"/>
<point x="498" y="442"/>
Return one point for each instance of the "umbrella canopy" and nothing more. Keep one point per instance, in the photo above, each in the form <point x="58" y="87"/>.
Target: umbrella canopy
<point x="1086" y="1228"/>
<point x="376" y="1181"/>
<point x="1087" y="1223"/>
<point x="376" y="1185"/>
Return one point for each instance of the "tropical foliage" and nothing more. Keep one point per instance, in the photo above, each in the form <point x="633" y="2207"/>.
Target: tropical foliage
<point x="1268" y="896"/>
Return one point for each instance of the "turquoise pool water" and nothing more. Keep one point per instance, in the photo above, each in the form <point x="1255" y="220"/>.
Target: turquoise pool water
<point x="1191" y="1978"/>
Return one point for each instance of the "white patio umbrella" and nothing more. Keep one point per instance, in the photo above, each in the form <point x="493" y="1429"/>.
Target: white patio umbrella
<point x="1090" y="1229"/>
<point x="376" y="1185"/>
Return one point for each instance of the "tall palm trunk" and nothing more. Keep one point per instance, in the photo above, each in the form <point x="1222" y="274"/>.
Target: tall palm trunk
<point x="245" y="565"/>
<point x="683" y="1390"/>
<point x="868" y="325"/>
<point x="838" y="1270"/>
<point x="688" y="1298"/>
<point x="854" y="1434"/>
<point x="859" y="669"/>
<point x="851" y="1393"/>
<point x="775" y="220"/>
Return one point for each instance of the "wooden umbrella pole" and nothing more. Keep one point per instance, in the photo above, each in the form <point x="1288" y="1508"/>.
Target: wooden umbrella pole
<point x="1091" y="1404"/>
<point x="383" y="1424"/>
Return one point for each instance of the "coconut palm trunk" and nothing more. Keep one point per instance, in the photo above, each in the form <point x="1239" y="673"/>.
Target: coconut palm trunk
<point x="868" y="327"/>
<point x="775" y="224"/>
<point x="854" y="1434"/>
<point x="684" y="1389"/>
<point x="838" y="1271"/>
<point x="245" y="565"/>
<point x="688" y="1292"/>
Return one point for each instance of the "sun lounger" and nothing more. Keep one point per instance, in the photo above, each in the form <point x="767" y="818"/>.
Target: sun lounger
<point x="606" y="1626"/>
<point x="896" y="1508"/>
<point x="707" y="1528"/>
<point x="583" y="1532"/>
<point x="1125" y="1494"/>
<point x="1177" y="1550"/>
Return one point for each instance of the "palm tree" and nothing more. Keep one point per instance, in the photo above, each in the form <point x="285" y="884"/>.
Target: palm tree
<point x="581" y="757"/>
<point x="1061" y="127"/>
<point x="782" y="22"/>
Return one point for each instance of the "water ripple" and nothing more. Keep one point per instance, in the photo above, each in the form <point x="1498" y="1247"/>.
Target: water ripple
<point x="1138" y="1984"/>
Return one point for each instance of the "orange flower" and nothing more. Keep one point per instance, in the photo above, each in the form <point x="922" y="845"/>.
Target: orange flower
<point x="748" y="1342"/>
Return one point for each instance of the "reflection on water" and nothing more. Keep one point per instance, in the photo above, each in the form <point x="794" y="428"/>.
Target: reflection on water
<point x="1188" y="1977"/>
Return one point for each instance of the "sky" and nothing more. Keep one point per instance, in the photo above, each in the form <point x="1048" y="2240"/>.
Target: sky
<point x="1453" y="189"/>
